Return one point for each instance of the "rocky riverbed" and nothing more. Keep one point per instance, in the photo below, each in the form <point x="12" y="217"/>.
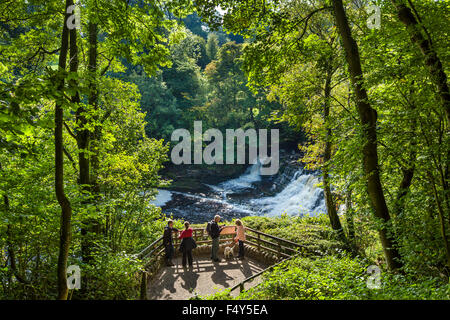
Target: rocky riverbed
<point x="199" y="192"/>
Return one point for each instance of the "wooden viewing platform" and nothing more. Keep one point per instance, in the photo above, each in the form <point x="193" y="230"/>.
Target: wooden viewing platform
<point x="263" y="251"/>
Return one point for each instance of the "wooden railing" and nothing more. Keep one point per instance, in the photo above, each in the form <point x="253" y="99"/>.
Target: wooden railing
<point x="156" y="248"/>
<point x="241" y="284"/>
<point x="283" y="249"/>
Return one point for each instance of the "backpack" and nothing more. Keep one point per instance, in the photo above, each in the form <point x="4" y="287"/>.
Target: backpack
<point x="208" y="228"/>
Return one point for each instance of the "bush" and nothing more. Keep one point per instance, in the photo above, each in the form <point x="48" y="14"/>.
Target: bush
<point x="312" y="231"/>
<point x="112" y="276"/>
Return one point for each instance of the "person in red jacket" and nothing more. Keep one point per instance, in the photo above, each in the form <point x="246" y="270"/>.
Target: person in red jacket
<point x="187" y="244"/>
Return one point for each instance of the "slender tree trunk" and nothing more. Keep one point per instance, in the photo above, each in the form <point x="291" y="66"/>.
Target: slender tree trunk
<point x="12" y="255"/>
<point x="82" y="132"/>
<point x="431" y="59"/>
<point x="408" y="170"/>
<point x="90" y="227"/>
<point x="10" y="244"/>
<point x="403" y="189"/>
<point x="66" y="210"/>
<point x="420" y="36"/>
<point x="368" y="118"/>
<point x="349" y="214"/>
<point x="407" y="177"/>
<point x="442" y="221"/>
<point x="85" y="139"/>
<point x="329" y="202"/>
<point x="93" y="102"/>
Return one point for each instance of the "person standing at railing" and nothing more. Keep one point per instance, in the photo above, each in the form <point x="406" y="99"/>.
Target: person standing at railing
<point x="214" y="231"/>
<point x="187" y="244"/>
<point x="240" y="238"/>
<point x="168" y="243"/>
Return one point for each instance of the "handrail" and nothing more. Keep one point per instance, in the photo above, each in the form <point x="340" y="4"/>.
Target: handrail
<point x="270" y="243"/>
<point x="276" y="238"/>
<point x="279" y="247"/>
<point x="153" y="250"/>
<point x="278" y="253"/>
<point x="140" y="254"/>
<point x="241" y="284"/>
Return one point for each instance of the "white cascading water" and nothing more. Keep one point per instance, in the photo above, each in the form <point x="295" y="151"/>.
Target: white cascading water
<point x="244" y="181"/>
<point x="300" y="196"/>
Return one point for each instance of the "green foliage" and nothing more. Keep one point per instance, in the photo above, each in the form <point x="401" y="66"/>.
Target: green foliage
<point x="294" y="45"/>
<point x="113" y="276"/>
<point x="337" y="277"/>
<point x="124" y="162"/>
<point x="153" y="76"/>
<point x="312" y="231"/>
<point x="341" y="278"/>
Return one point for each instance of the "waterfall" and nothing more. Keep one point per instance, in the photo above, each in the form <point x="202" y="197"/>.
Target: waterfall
<point x="244" y="181"/>
<point x="301" y="196"/>
<point x="293" y="191"/>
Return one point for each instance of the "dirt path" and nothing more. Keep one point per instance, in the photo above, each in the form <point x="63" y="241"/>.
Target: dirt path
<point x="206" y="277"/>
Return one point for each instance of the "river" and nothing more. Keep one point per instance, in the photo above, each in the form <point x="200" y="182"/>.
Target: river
<point x="293" y="191"/>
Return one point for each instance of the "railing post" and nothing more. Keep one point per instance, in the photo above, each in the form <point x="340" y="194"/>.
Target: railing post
<point x="241" y="287"/>
<point x="144" y="286"/>
<point x="259" y="243"/>
<point x="279" y="249"/>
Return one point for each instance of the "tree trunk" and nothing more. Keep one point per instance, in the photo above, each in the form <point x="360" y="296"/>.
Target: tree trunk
<point x="66" y="210"/>
<point x="9" y="243"/>
<point x="442" y="221"/>
<point x="403" y="191"/>
<point x="431" y="59"/>
<point x="329" y="202"/>
<point x="93" y="102"/>
<point x="420" y="36"/>
<point x="368" y="118"/>
<point x="90" y="225"/>
<point x="82" y="132"/>
<point x="408" y="170"/>
<point x="349" y="214"/>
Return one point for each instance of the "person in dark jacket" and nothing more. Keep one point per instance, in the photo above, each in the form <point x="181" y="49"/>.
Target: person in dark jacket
<point x="167" y="242"/>
<point x="187" y="244"/>
<point x="215" y="236"/>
